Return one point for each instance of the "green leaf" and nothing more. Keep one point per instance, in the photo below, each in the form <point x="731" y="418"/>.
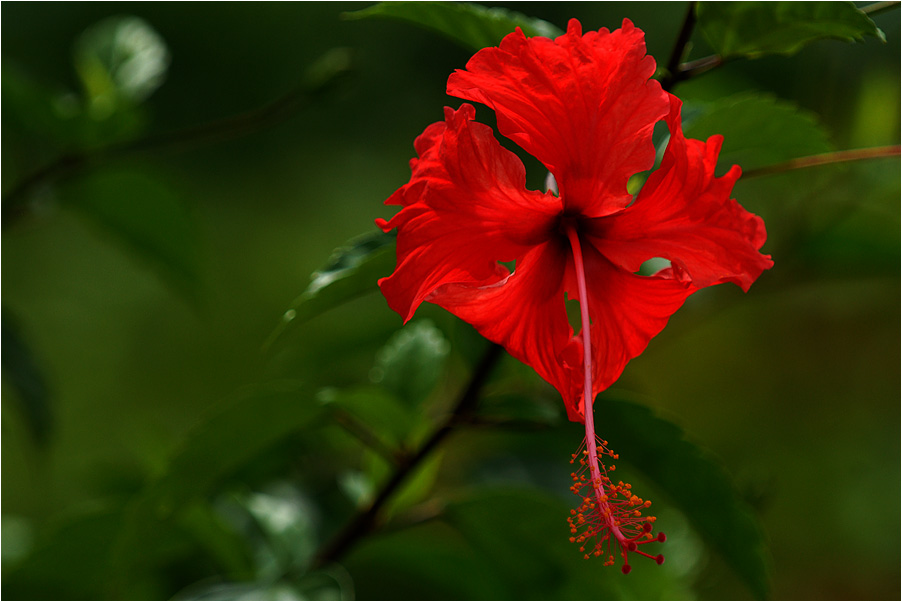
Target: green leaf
<point x="758" y="130"/>
<point x="45" y="110"/>
<point x="72" y="562"/>
<point x="519" y="409"/>
<point x="753" y="29"/>
<point x="221" y="446"/>
<point x="145" y="214"/>
<point x="264" y="589"/>
<point x="522" y="537"/>
<point x="278" y="524"/>
<point x="694" y="482"/>
<point x="429" y="561"/>
<point x="470" y="25"/>
<point x="120" y="62"/>
<point x="27" y="378"/>
<point x="377" y="409"/>
<point x="230" y="439"/>
<point x="319" y="585"/>
<point x="410" y="363"/>
<point x="217" y="538"/>
<point x="352" y="271"/>
<point x="120" y="59"/>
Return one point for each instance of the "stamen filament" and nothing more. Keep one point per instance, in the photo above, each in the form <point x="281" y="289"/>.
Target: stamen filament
<point x="604" y="518"/>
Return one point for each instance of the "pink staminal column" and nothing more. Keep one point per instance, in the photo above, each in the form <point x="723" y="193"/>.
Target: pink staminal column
<point x="610" y="515"/>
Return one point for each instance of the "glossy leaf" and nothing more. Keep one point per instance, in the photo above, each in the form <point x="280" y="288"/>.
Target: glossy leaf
<point x="352" y="271"/>
<point x="753" y="29"/>
<point x="145" y="214"/>
<point x="278" y="524"/>
<point x="693" y="482"/>
<point x="410" y="364"/>
<point x="758" y="130"/>
<point x="470" y="25"/>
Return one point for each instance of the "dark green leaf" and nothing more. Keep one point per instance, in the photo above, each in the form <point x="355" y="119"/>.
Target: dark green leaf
<point x="758" y="130"/>
<point x="439" y="564"/>
<point x="263" y="589"/>
<point x="328" y="69"/>
<point x="48" y="111"/>
<point x="410" y="364"/>
<point x="217" y="538"/>
<point x="470" y="25"/>
<point x="218" y="448"/>
<point x="518" y="409"/>
<point x="320" y="585"/>
<point x="70" y="563"/>
<point x="378" y="410"/>
<point x="694" y="482"/>
<point x="26" y="377"/>
<point x="143" y="213"/>
<point x="753" y="29"/>
<point x="351" y="271"/>
<point x="230" y="439"/>
<point x="523" y="538"/>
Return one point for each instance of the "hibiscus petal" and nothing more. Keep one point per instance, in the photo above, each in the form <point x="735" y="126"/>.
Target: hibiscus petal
<point x="626" y="312"/>
<point x="525" y="312"/>
<point x="685" y="214"/>
<point x="466" y="208"/>
<point x="583" y="105"/>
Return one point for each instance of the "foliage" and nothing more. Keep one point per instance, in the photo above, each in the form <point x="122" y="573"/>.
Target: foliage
<point x="753" y="29"/>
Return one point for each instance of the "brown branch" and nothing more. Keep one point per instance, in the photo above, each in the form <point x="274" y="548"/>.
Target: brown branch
<point x="366" y="520"/>
<point x="363" y="434"/>
<point x="679" y="49"/>
<point x="699" y="66"/>
<point x="844" y="156"/>
<point x="15" y="201"/>
<point x="879" y="7"/>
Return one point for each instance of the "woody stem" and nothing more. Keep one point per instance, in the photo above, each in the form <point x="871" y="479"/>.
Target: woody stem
<point x="365" y="521"/>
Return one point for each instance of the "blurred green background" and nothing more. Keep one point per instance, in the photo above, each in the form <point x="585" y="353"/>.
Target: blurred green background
<point x="794" y="386"/>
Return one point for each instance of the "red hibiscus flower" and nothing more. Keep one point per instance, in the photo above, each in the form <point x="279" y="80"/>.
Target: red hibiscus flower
<point x="585" y="107"/>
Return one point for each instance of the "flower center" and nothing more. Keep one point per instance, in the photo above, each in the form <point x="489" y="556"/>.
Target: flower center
<point x="611" y="512"/>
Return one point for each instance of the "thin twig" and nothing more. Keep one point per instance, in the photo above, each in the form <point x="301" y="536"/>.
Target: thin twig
<point x="844" y="156"/>
<point x="364" y="521"/>
<point x="699" y="66"/>
<point x="15" y="201"/>
<point x="679" y="48"/>
<point x="879" y="7"/>
<point x="368" y="437"/>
